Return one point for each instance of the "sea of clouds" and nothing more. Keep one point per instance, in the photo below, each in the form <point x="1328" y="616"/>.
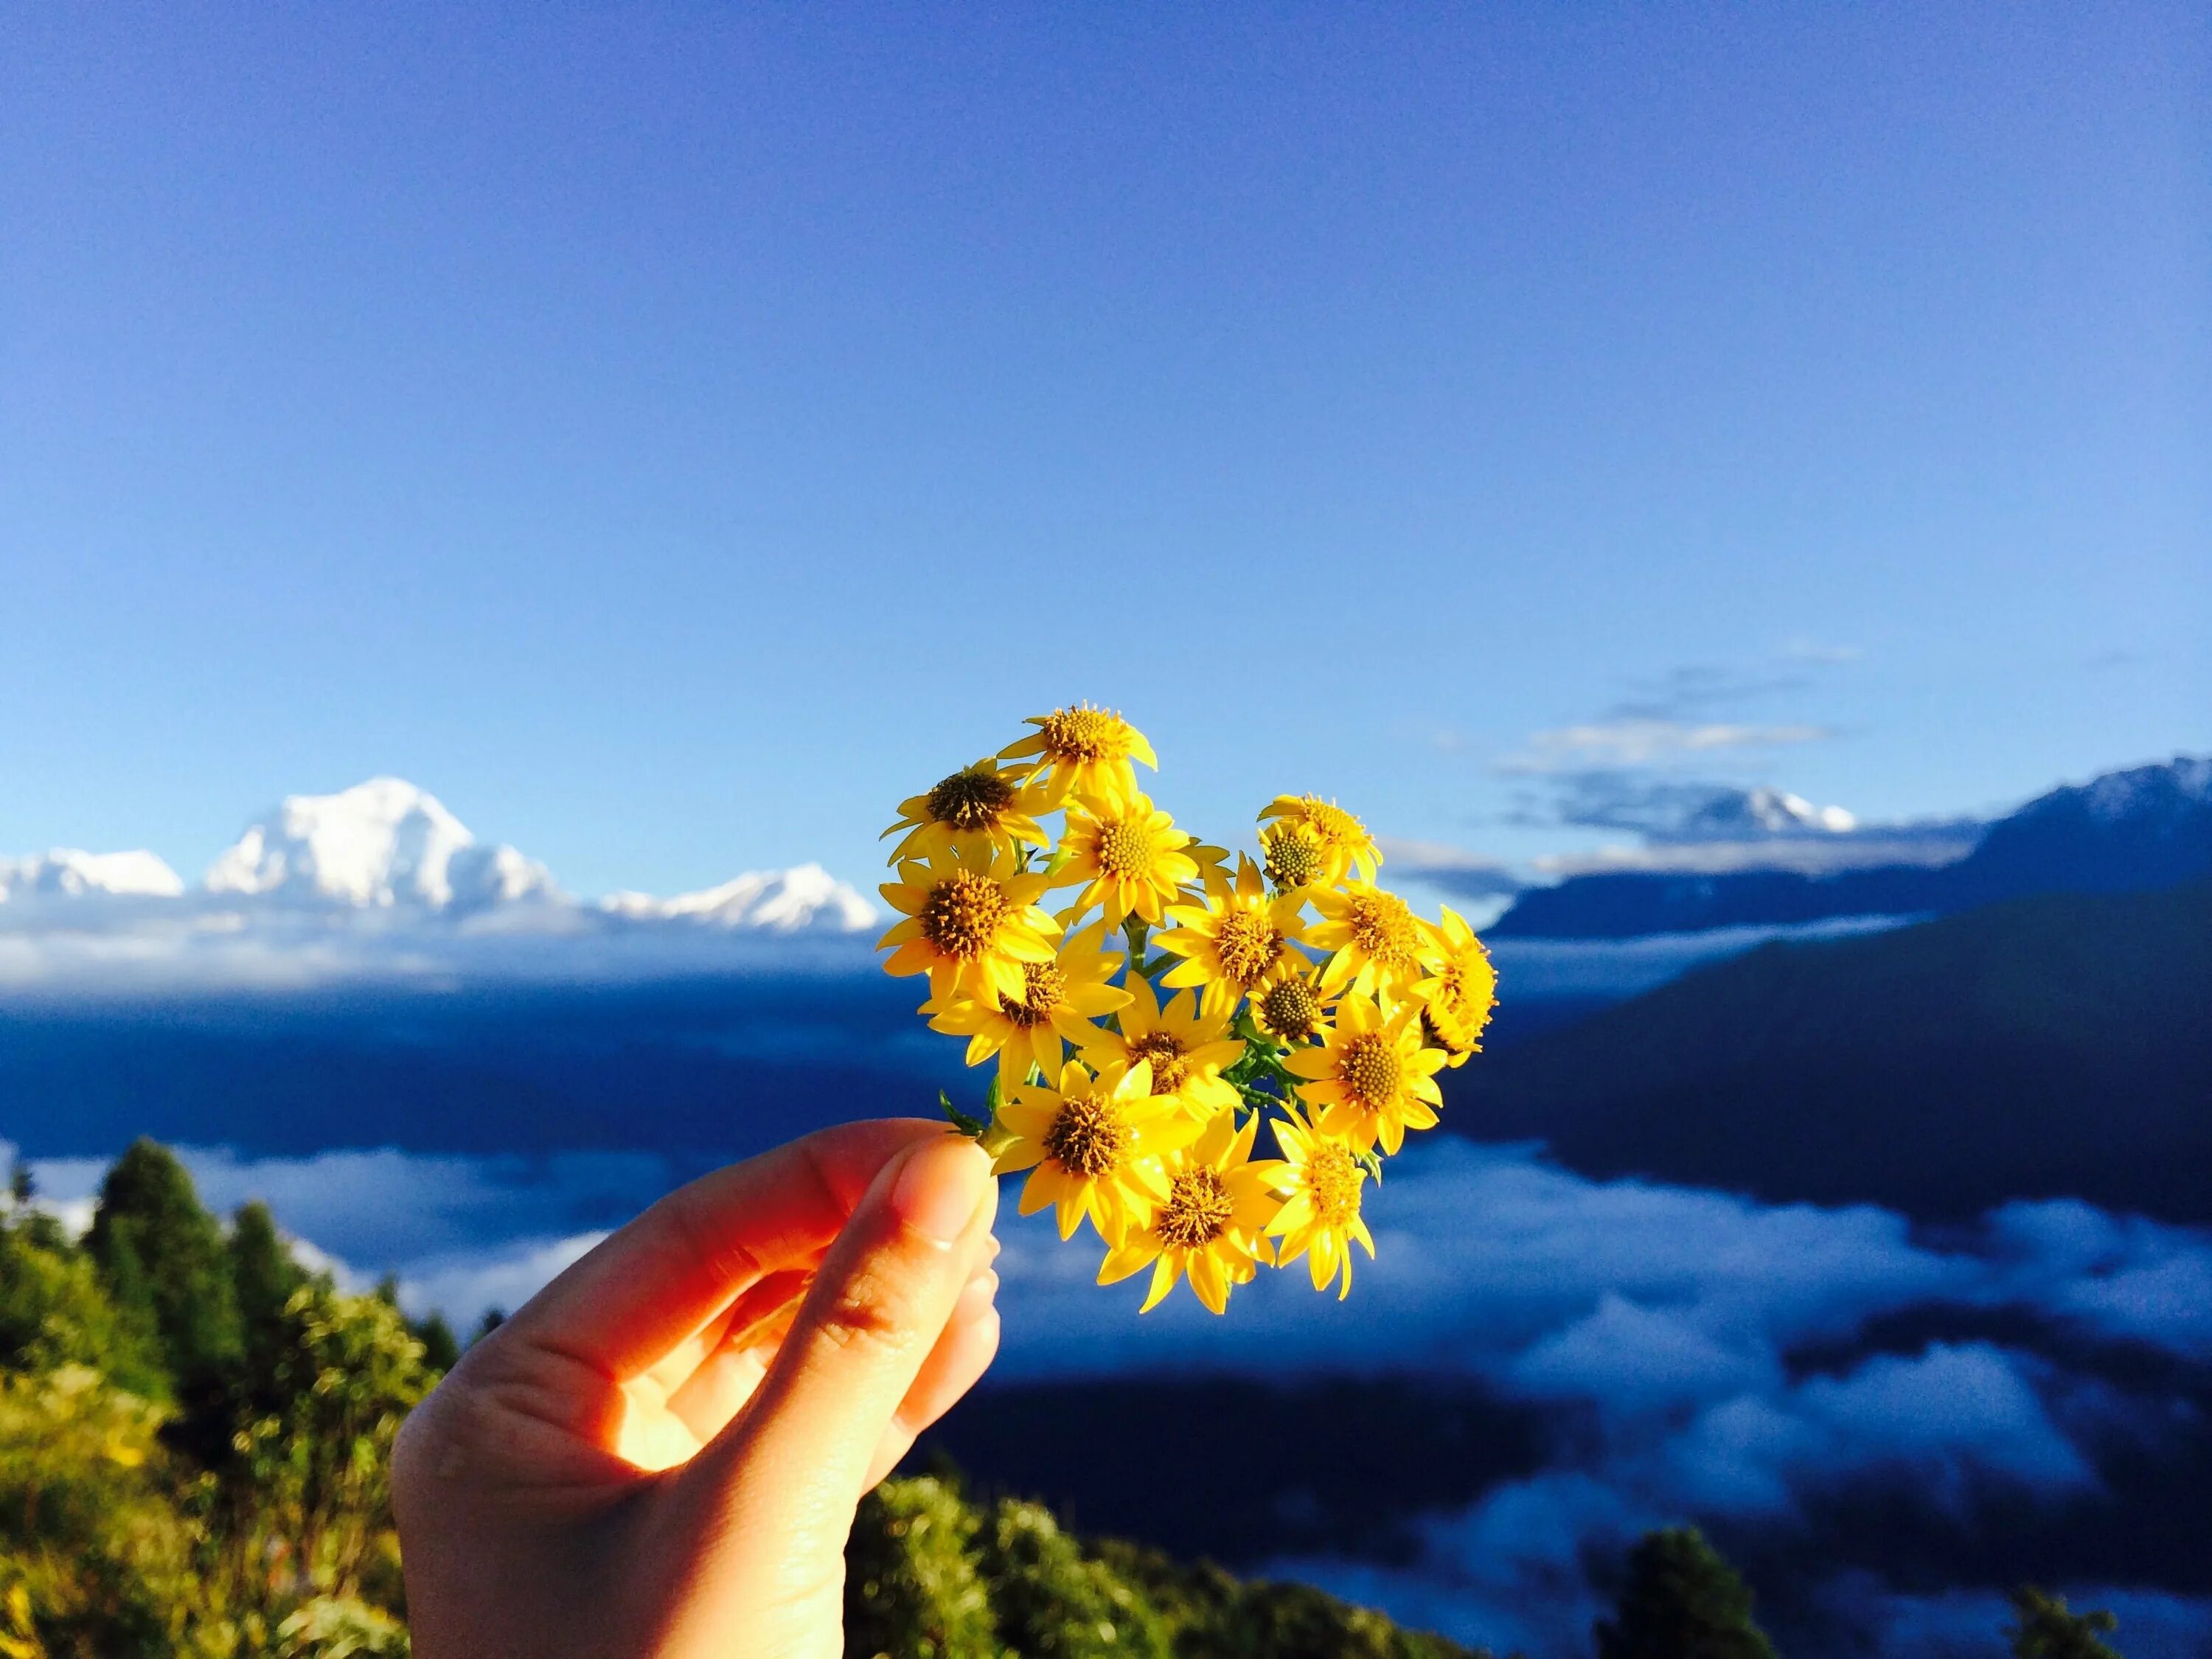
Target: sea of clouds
<point x="1717" y="1358"/>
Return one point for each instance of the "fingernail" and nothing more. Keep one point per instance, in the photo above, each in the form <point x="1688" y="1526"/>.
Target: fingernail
<point x="941" y="1187"/>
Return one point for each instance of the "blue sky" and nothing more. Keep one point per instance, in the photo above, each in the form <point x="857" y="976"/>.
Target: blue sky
<point x="671" y="434"/>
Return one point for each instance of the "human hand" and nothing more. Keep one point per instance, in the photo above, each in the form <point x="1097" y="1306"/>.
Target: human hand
<point x="660" y="1455"/>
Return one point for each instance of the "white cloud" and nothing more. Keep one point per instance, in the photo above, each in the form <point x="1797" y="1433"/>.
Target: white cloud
<point x="1671" y="1323"/>
<point x="1641" y="741"/>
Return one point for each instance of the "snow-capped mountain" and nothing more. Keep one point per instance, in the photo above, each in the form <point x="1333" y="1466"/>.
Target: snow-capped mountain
<point x="65" y="872"/>
<point x="374" y="880"/>
<point x="1755" y="814"/>
<point x="380" y="843"/>
<point x="784" y="901"/>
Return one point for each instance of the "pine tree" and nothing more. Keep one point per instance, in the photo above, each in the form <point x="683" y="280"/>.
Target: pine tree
<point x="22" y="1188"/>
<point x="441" y="1350"/>
<point x="2048" y="1630"/>
<point x="1682" y="1600"/>
<point x="263" y="1276"/>
<point x="158" y="1248"/>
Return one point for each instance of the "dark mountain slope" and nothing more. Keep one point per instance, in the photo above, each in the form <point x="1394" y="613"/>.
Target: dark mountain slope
<point x="2056" y="1045"/>
<point x="2127" y="831"/>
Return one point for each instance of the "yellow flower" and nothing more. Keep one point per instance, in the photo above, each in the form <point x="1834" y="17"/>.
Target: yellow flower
<point x="1186" y="1050"/>
<point x="1211" y="1225"/>
<point x="1456" y="999"/>
<point x="1059" y="999"/>
<point x="982" y="801"/>
<point x="1289" y="1005"/>
<point x="1081" y="750"/>
<point x="1372" y="1079"/>
<point x="971" y="920"/>
<point x="1294" y="855"/>
<point x="1128" y="856"/>
<point x="1319" y="1181"/>
<point x="1093" y="1145"/>
<point x="1377" y="945"/>
<point x="1344" y="839"/>
<point x="1233" y="939"/>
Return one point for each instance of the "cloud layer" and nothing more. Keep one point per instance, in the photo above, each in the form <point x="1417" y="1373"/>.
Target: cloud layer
<point x="1718" y="1357"/>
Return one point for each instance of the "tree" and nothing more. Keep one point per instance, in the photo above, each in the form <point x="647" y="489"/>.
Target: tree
<point x="1681" y="1600"/>
<point x="53" y="1313"/>
<point x="263" y="1276"/>
<point x="2047" y="1629"/>
<point x="441" y="1350"/>
<point x="911" y="1588"/>
<point x="1053" y="1599"/>
<point x="22" y="1187"/>
<point x="160" y="1249"/>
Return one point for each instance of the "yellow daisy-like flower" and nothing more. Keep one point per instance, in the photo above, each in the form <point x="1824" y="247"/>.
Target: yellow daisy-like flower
<point x="1319" y="1181"/>
<point x="1344" y="839"/>
<point x="1060" y="999"/>
<point x="1290" y="1006"/>
<point x="1372" y="1079"/>
<point x="1081" y="750"/>
<point x="1235" y="939"/>
<point x="1187" y="1050"/>
<point x="1377" y="945"/>
<point x="1211" y="1225"/>
<point x="1456" y="999"/>
<point x="971" y="920"/>
<point x="983" y="800"/>
<point x="1128" y="858"/>
<point x="1093" y="1146"/>
<point x="1294" y="855"/>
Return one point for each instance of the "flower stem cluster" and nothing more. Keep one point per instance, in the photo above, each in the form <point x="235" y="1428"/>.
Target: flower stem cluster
<point x="1131" y="1087"/>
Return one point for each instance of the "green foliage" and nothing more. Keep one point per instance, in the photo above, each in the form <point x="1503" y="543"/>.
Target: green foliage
<point x="54" y="1312"/>
<point x="1682" y="1600"/>
<point x="263" y="1276"/>
<point x="2045" y="1628"/>
<point x="1053" y="1599"/>
<point x="927" y="1574"/>
<point x="912" y="1588"/>
<point x="162" y="1252"/>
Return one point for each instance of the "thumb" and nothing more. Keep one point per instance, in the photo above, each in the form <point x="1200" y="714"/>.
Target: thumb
<point x="795" y="1463"/>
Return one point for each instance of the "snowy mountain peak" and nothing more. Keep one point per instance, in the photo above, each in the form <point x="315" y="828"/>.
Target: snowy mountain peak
<point x="65" y="872"/>
<point x="804" y="897"/>
<point x="1750" y="814"/>
<point x="380" y="843"/>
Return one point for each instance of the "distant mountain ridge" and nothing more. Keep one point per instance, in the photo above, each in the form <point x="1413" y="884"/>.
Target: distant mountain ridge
<point x="2127" y="831"/>
<point x="387" y="848"/>
<point x="2054" y="1046"/>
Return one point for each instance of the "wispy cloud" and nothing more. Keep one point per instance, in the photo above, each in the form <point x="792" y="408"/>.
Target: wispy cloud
<point x="1642" y="741"/>
<point x="1450" y="869"/>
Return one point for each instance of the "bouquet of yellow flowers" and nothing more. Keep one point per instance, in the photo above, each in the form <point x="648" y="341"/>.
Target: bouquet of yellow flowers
<point x="1290" y="988"/>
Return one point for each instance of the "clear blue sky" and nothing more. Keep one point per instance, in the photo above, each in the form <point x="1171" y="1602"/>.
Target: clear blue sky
<point x="671" y="433"/>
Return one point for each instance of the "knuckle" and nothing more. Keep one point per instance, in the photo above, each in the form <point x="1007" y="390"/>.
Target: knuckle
<point x="870" y="1311"/>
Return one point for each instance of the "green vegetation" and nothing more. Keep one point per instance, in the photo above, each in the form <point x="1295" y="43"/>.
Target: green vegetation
<point x="2045" y="1629"/>
<point x="1681" y="1601"/>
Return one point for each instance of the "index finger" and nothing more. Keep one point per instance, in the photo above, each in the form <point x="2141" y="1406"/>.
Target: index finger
<point x="639" y="1292"/>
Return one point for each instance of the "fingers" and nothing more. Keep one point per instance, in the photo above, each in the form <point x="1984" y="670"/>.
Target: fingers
<point x="670" y="1272"/>
<point x="963" y="1352"/>
<point x="792" y="1466"/>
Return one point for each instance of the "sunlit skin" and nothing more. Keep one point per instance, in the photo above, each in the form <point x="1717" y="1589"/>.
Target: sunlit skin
<point x="660" y="1455"/>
